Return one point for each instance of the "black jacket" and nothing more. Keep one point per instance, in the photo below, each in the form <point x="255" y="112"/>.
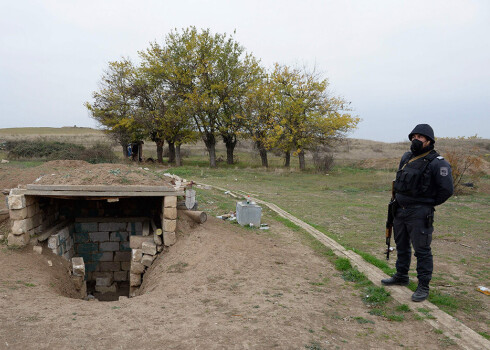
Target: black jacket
<point x="440" y="186"/>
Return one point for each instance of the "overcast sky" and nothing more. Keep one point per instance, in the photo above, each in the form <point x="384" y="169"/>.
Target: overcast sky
<point x="400" y="63"/>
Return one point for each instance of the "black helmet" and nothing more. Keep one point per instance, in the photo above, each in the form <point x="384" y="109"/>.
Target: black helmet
<point x="423" y="129"/>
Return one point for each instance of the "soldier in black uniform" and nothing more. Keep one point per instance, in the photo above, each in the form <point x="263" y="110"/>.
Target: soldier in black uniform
<point x="423" y="181"/>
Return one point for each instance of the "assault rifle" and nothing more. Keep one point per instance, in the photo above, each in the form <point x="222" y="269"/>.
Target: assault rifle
<point x="389" y="221"/>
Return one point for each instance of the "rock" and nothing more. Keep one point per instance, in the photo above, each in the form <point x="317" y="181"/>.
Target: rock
<point x="37" y="249"/>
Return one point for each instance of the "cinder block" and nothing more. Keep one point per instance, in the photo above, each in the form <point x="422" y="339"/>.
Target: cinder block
<point x="105" y="256"/>
<point x="81" y="237"/>
<point x="110" y="266"/>
<point x="104" y="281"/>
<point x="134" y="227"/>
<point x="86" y="227"/>
<point x="18" y="240"/>
<point x="147" y="260"/>
<point x="169" y="225"/>
<point x="99" y="236"/>
<point x="32" y="209"/>
<point x="18" y="214"/>
<point x="16" y="201"/>
<point x="109" y="246"/>
<point x="110" y="289"/>
<point x="124" y="246"/>
<point x="112" y="226"/>
<point x="170" y="213"/>
<point x="169" y="238"/>
<point x="36" y="220"/>
<point x="78" y="266"/>
<point x="134" y="279"/>
<point x="149" y="248"/>
<point x="53" y="241"/>
<point x="136" y="241"/>
<point x="106" y="274"/>
<point x="137" y="268"/>
<point x="120" y="276"/>
<point x="136" y="255"/>
<point x="170" y="202"/>
<point x="119" y="236"/>
<point x="20" y="227"/>
<point x="87" y="248"/>
<point x="125" y="265"/>
<point x="122" y="256"/>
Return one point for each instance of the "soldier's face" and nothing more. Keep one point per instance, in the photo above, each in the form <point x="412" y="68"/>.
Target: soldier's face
<point x="422" y="139"/>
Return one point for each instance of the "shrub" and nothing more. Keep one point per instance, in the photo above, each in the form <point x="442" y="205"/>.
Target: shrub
<point x="463" y="163"/>
<point x="54" y="150"/>
<point x="322" y="158"/>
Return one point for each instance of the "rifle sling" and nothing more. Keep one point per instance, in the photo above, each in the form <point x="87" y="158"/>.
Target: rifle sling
<point x="415" y="158"/>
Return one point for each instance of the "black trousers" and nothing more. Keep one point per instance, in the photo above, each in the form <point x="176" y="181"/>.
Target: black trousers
<point x="412" y="228"/>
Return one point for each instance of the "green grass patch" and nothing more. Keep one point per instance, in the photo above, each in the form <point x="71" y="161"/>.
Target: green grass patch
<point x="484" y="335"/>
<point x="343" y="264"/>
<point x="373" y="295"/>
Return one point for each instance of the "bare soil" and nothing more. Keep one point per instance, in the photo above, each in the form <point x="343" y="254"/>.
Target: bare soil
<point x="220" y="286"/>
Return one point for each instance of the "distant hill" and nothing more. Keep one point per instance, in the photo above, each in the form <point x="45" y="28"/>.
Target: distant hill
<point x="43" y="131"/>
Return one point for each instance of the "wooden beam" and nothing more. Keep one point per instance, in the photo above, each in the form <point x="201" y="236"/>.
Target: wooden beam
<point x="101" y="195"/>
<point x="100" y="188"/>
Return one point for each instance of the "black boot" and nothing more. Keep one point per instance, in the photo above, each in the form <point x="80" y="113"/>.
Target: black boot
<point x="422" y="292"/>
<point x="396" y="279"/>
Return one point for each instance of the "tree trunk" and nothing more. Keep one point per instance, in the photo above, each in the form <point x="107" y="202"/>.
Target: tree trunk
<point x="287" y="159"/>
<point x="160" y="150"/>
<point x="230" y="142"/>
<point x="301" y="156"/>
<point x="210" y="142"/>
<point x="171" y="152"/>
<point x="262" y="153"/>
<point x="178" y="159"/>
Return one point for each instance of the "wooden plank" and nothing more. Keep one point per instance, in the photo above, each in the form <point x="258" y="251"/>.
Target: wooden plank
<point x="101" y="194"/>
<point x="100" y="188"/>
<point x="46" y="234"/>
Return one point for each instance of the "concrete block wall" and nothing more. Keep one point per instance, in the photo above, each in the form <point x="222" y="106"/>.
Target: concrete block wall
<point x="103" y="243"/>
<point x="29" y="216"/>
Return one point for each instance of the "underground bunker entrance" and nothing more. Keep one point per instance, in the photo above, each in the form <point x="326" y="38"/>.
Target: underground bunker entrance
<point x="99" y="232"/>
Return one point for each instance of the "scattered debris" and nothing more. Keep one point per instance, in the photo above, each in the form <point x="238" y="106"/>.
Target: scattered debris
<point x="50" y="263"/>
<point x="230" y="216"/>
<point x="37" y="249"/>
<point x="39" y="178"/>
<point x="4" y="161"/>
<point x="483" y="290"/>
<point x="264" y="227"/>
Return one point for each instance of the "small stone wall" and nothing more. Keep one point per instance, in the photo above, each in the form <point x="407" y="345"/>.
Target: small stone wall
<point x="29" y="216"/>
<point x="104" y="246"/>
<point x="62" y="243"/>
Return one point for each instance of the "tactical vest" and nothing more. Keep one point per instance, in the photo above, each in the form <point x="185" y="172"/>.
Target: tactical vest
<point x="413" y="178"/>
